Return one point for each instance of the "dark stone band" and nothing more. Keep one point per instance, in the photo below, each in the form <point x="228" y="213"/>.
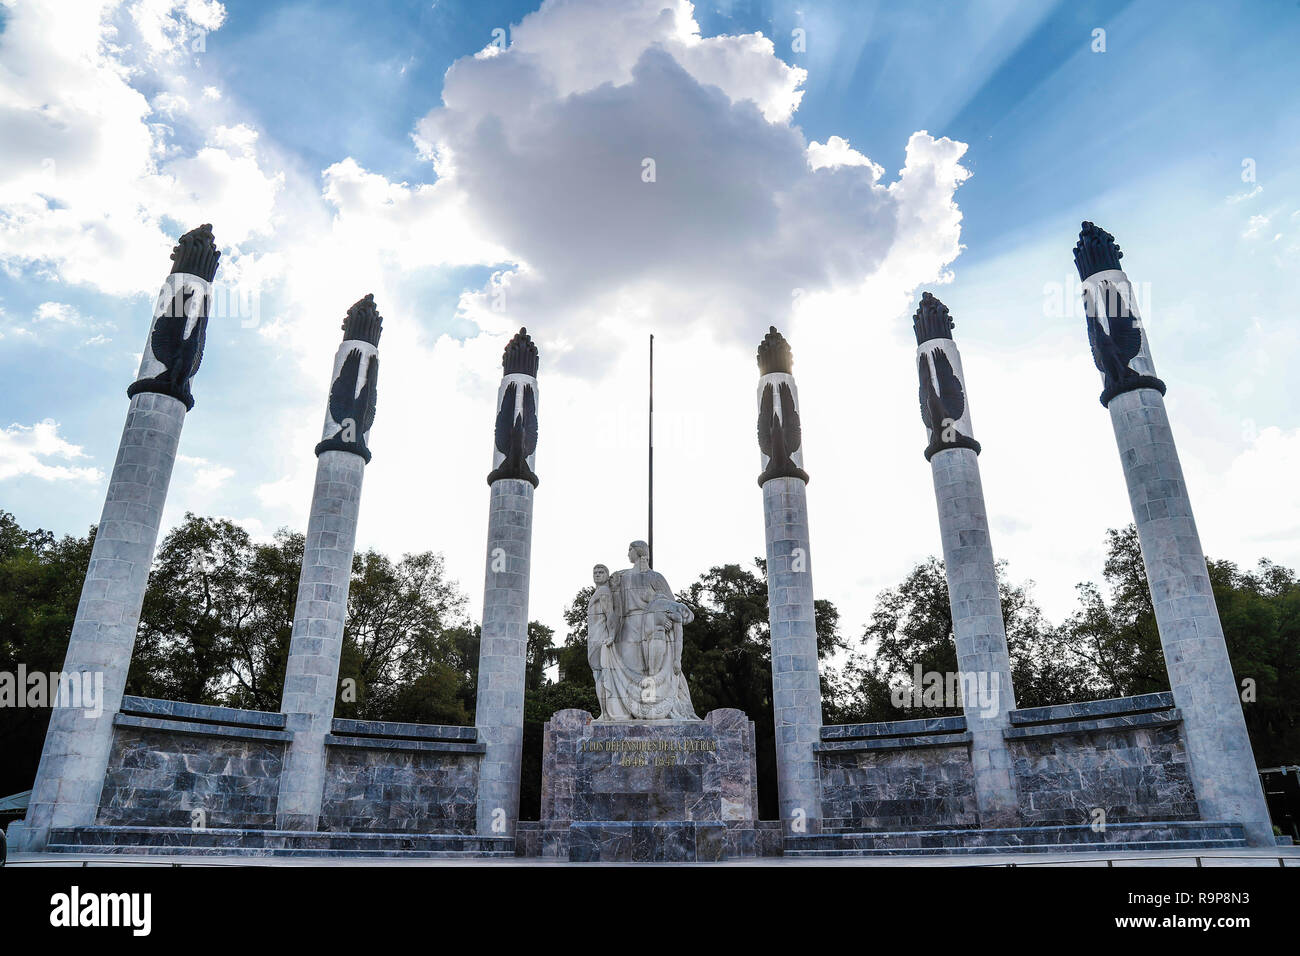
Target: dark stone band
<point x="961" y="441"/>
<point x="146" y="385"/>
<point x="338" y="444"/>
<point x="775" y="470"/>
<point x="1131" y="385"/>
<point x="523" y="473"/>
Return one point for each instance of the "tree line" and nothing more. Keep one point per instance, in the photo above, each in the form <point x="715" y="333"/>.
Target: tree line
<point x="218" y="615"/>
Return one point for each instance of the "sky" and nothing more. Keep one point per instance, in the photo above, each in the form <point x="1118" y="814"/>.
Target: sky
<point x="481" y="166"/>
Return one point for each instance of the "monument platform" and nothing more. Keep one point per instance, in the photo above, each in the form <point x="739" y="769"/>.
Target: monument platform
<point x="648" y="790"/>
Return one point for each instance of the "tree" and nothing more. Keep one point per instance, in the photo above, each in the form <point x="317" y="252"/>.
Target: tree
<point x="911" y="630"/>
<point x="40" y="587"/>
<point x="396" y="633"/>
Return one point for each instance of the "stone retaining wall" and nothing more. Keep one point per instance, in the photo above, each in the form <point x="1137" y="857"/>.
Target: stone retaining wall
<point x="194" y="766"/>
<point x="1118" y="760"/>
<point x="189" y="765"/>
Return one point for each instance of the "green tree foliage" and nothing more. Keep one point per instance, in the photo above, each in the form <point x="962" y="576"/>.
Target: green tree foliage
<point x="40" y="586"/>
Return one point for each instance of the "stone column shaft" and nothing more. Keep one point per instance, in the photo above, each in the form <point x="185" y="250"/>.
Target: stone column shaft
<point x="978" y="630"/>
<point x="1220" y="756"/>
<point x="75" y="758"/>
<point x="503" y="649"/>
<point x="311" y="673"/>
<point x="796" y="684"/>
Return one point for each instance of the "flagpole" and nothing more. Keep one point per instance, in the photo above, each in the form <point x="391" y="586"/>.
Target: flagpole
<point x="650" y="459"/>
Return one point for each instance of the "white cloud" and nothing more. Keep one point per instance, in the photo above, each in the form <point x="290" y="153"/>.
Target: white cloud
<point x="25" y="448"/>
<point x="204" y="475"/>
<point x="1254" y="226"/>
<point x="59" y="313"/>
<point x="86" y="177"/>
<point x="538" y="151"/>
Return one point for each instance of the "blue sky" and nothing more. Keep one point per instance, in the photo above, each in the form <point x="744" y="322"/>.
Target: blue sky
<point x="1148" y="138"/>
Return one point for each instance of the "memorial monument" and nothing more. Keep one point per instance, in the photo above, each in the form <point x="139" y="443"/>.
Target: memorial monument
<point x="648" y="779"/>
<point x="634" y="643"/>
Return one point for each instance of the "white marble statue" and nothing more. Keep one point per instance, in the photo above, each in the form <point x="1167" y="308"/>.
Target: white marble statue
<point x="634" y="643"/>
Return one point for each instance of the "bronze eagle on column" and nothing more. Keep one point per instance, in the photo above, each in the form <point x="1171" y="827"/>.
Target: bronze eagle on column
<point x="1113" y="351"/>
<point x="941" y="409"/>
<point x="516" y="435"/>
<point x="779" y="434"/>
<point x="352" y="410"/>
<point x="1114" y="347"/>
<point x="179" y="353"/>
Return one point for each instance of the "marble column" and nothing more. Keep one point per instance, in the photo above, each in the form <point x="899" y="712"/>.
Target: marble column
<point x="75" y="756"/>
<point x="1205" y="690"/>
<point x="978" y="630"/>
<point x="503" y="643"/>
<point x="796" y="684"/>
<point x="311" y="673"/>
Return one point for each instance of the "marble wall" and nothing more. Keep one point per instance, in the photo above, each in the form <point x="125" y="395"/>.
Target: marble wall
<point x="200" y="767"/>
<point x="1115" y="761"/>
<point x="187" y="765"/>
<point x="385" y="777"/>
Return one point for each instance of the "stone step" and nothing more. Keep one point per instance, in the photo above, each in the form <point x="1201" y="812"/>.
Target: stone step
<point x="1166" y="834"/>
<point x="1180" y="845"/>
<point x="229" y="853"/>
<point x="173" y="840"/>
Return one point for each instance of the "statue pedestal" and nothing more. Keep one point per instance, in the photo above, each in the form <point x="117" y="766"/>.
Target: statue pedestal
<point x="649" y="790"/>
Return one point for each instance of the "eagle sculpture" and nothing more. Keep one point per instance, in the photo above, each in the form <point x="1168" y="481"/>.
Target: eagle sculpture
<point x="516" y="434"/>
<point x="942" y="409"/>
<point x="779" y="435"/>
<point x="1113" y="350"/>
<point x="1116" y="345"/>
<point x="179" y="353"/>
<point x="351" y="409"/>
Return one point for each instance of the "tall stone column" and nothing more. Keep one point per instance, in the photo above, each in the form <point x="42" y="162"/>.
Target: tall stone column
<point x="978" y="629"/>
<point x="311" y="673"/>
<point x="75" y="757"/>
<point x="1218" y="748"/>
<point x="796" y="685"/>
<point x="503" y="645"/>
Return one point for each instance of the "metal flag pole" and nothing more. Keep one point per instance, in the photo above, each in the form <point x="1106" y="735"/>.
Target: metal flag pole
<point x="650" y="460"/>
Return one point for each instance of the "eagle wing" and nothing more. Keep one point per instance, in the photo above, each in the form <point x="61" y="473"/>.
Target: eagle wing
<point x="369" y="395"/>
<point x="505" y="420"/>
<point x="1124" y="332"/>
<point x="344" y="389"/>
<point x="1094" y="333"/>
<point x="200" y="330"/>
<point x="926" y="390"/>
<point x="168" y="335"/>
<point x="951" y="394"/>
<point x="530" y="421"/>
<point x="789" y="420"/>
<point x="765" y="413"/>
